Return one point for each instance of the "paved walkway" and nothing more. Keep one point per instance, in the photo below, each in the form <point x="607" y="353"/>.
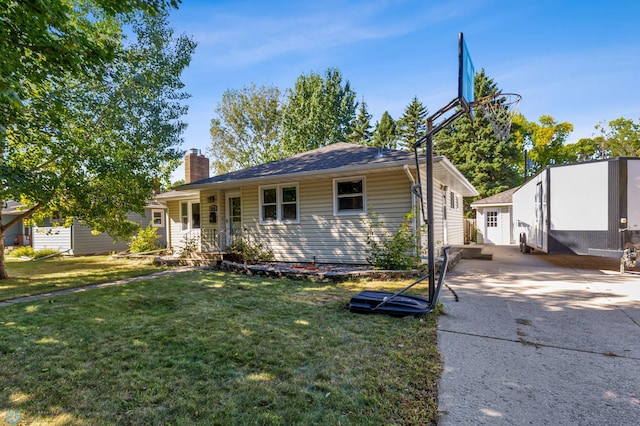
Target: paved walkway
<point x="540" y="340"/>
<point x="94" y="286"/>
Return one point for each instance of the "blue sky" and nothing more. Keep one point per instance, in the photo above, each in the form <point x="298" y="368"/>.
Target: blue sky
<point x="577" y="61"/>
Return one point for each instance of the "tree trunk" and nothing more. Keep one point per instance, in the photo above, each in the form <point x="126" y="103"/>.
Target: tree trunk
<point x="3" y="266"/>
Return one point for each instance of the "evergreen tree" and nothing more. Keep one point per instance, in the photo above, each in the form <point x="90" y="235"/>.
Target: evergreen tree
<point x="490" y="164"/>
<point x="385" y="134"/>
<point x="362" y="134"/>
<point x="412" y="125"/>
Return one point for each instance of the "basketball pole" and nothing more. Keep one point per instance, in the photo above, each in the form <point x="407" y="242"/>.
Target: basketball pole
<point x="429" y="219"/>
<point x="431" y="260"/>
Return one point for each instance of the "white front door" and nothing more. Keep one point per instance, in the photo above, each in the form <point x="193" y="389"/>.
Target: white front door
<point x="493" y="226"/>
<point x="234" y="215"/>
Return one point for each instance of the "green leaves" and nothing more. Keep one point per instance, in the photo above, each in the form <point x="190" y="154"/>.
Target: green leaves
<point x="247" y="128"/>
<point x="320" y="111"/>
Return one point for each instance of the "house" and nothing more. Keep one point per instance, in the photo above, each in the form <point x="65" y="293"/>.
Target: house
<point x="78" y="239"/>
<point x="313" y="207"/>
<point x="19" y="234"/>
<point x="494" y="218"/>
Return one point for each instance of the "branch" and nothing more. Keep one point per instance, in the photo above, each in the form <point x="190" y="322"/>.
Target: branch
<point x="25" y="215"/>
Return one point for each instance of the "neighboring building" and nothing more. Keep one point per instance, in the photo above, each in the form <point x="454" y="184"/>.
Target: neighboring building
<point x="494" y="218"/>
<point x="78" y="239"/>
<point x="19" y="234"/>
<point x="313" y="206"/>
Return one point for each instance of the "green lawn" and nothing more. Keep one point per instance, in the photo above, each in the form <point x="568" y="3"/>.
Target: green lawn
<point x="43" y="276"/>
<point x="211" y="348"/>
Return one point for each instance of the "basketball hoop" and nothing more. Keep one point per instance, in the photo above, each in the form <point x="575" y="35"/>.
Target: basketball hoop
<point x="499" y="109"/>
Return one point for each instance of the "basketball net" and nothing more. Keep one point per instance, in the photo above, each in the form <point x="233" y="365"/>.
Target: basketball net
<point x="499" y="109"/>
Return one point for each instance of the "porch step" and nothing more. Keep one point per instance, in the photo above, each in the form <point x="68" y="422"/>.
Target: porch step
<point x="473" y="252"/>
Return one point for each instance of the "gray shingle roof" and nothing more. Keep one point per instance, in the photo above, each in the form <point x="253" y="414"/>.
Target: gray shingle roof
<point x="325" y="158"/>
<point x="504" y="197"/>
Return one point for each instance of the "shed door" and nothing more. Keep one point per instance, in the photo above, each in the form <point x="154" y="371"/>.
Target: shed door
<point x="493" y="226"/>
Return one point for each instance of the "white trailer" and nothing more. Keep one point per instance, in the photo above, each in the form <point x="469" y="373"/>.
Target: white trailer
<point x="590" y="208"/>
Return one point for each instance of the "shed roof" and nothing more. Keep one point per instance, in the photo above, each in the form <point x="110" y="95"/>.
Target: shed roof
<point x="504" y="198"/>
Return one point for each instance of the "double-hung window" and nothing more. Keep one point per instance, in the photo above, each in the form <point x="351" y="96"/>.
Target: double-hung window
<point x="157" y="218"/>
<point x="279" y="204"/>
<point x="349" y="196"/>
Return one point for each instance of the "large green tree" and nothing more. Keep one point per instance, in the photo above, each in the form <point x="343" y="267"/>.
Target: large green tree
<point x="412" y="125"/>
<point x="246" y="129"/>
<point x="319" y="111"/>
<point x="621" y="138"/>
<point x="88" y="139"/>
<point x="489" y="163"/>
<point x="385" y="134"/>
<point x="545" y="142"/>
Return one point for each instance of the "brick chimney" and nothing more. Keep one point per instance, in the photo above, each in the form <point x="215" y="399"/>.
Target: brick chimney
<point x="196" y="166"/>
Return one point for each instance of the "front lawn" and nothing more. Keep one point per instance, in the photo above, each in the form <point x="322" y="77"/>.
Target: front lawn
<point x="212" y="348"/>
<point x="43" y="276"/>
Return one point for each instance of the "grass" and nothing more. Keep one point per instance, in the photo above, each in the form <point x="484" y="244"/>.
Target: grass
<point x="212" y="348"/>
<point x="42" y="276"/>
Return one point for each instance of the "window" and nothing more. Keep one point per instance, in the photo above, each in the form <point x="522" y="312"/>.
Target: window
<point x="157" y="218"/>
<point x="349" y="196"/>
<point x="184" y="215"/>
<point x="492" y="219"/>
<point x="454" y="201"/>
<point x="279" y="204"/>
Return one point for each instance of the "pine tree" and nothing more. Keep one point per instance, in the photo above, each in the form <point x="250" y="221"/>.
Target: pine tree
<point x="362" y="133"/>
<point x="490" y="164"/>
<point x="385" y="135"/>
<point x="412" y="125"/>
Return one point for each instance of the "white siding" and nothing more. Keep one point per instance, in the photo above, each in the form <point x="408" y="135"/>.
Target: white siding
<point x="51" y="237"/>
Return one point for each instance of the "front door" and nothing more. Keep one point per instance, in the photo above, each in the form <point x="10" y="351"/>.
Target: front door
<point x="234" y="216"/>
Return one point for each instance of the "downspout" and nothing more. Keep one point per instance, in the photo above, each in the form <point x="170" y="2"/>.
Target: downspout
<point x="414" y="219"/>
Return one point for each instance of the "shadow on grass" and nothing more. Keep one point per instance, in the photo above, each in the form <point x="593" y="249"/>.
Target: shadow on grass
<point x="213" y="348"/>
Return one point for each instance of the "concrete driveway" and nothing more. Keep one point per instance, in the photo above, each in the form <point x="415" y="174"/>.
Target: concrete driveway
<point x="540" y="340"/>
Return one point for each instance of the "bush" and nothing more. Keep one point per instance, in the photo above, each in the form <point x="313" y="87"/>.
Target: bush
<point x="245" y="251"/>
<point x="28" y="251"/>
<point x="145" y="240"/>
<point x="391" y="251"/>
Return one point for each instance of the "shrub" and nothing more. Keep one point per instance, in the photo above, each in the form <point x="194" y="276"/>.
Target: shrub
<point x="26" y="251"/>
<point x="246" y="251"/>
<point x="391" y="251"/>
<point x="145" y="240"/>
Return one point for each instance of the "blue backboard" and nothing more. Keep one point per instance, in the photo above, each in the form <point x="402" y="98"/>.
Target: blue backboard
<point x="466" y="74"/>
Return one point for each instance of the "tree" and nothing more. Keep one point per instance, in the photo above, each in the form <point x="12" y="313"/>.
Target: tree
<point x="621" y="138"/>
<point x="88" y="143"/>
<point x="546" y="142"/>
<point x="361" y="133"/>
<point x="246" y="130"/>
<point x="385" y="132"/>
<point x="319" y="111"/>
<point x="413" y="124"/>
<point x="489" y="163"/>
